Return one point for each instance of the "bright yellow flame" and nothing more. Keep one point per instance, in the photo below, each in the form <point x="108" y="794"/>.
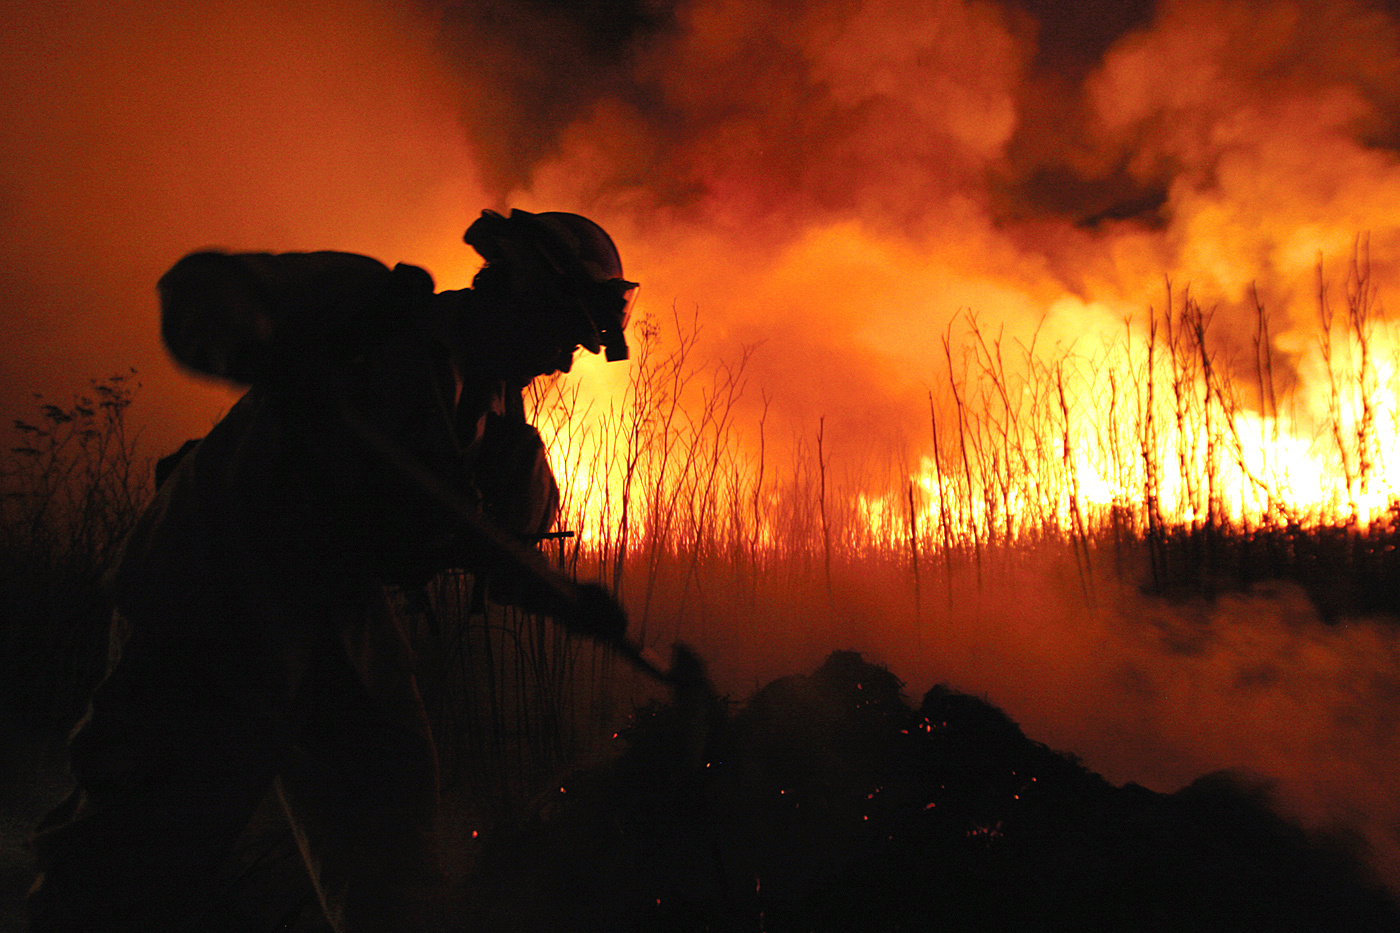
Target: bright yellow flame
<point x="1133" y="433"/>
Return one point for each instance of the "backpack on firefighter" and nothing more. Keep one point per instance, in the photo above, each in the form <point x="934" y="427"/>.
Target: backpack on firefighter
<point x="314" y="326"/>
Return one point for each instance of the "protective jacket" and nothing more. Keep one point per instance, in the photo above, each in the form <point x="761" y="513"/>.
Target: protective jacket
<point x="253" y="646"/>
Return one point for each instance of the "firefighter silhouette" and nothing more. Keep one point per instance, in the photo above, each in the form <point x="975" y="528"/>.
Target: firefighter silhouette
<point x="252" y="646"/>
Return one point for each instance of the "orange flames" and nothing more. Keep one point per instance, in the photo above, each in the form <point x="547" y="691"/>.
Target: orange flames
<point x="1154" y="424"/>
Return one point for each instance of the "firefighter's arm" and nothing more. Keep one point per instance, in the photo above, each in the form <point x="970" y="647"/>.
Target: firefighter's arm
<point x="587" y="609"/>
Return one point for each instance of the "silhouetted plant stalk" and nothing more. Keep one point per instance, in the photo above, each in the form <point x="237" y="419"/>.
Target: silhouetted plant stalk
<point x="821" y="506"/>
<point x="1079" y="538"/>
<point x="914" y="554"/>
<point x="966" y="500"/>
<point x="1351" y="376"/>
<point x="944" y="524"/>
<point x="71" y="487"/>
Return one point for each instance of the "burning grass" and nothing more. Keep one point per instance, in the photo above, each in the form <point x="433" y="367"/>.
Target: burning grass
<point x="1148" y="462"/>
<point x="1157" y="456"/>
<point x="1093" y="537"/>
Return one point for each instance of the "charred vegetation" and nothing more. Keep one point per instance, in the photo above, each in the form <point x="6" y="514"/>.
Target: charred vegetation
<point x="827" y="802"/>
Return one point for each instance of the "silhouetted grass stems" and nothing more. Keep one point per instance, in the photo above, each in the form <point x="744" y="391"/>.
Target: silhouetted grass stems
<point x="1160" y="456"/>
<point x="72" y="485"/>
<point x="1151" y="458"/>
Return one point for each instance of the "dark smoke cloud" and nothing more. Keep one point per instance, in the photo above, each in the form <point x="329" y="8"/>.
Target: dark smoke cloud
<point x="1049" y="165"/>
<point x="1071" y="38"/>
<point x="534" y="67"/>
<point x="771" y="114"/>
<point x="1103" y="118"/>
<point x="538" y="67"/>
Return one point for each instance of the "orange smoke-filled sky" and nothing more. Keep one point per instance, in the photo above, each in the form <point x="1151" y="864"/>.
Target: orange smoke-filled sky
<point x="135" y="133"/>
<point x="832" y="180"/>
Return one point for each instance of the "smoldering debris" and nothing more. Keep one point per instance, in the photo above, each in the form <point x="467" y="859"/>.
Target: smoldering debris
<point x="828" y="802"/>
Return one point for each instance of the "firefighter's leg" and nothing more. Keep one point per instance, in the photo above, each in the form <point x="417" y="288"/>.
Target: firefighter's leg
<point x="169" y="767"/>
<point x="361" y="792"/>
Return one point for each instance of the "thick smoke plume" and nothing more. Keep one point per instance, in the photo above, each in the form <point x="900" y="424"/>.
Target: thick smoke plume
<point x="853" y="174"/>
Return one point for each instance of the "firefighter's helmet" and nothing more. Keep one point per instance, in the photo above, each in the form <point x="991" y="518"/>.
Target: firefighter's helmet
<point x="569" y="260"/>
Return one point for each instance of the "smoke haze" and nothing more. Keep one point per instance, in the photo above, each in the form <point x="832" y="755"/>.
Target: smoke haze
<point x="1141" y="689"/>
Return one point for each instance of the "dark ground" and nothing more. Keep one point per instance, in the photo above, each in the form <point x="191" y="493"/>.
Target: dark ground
<point x="828" y="803"/>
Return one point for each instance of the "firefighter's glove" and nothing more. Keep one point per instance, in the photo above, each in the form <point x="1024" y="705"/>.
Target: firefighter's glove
<point x="598" y="615"/>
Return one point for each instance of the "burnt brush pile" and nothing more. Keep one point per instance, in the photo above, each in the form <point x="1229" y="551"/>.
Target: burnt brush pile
<point x="828" y="804"/>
